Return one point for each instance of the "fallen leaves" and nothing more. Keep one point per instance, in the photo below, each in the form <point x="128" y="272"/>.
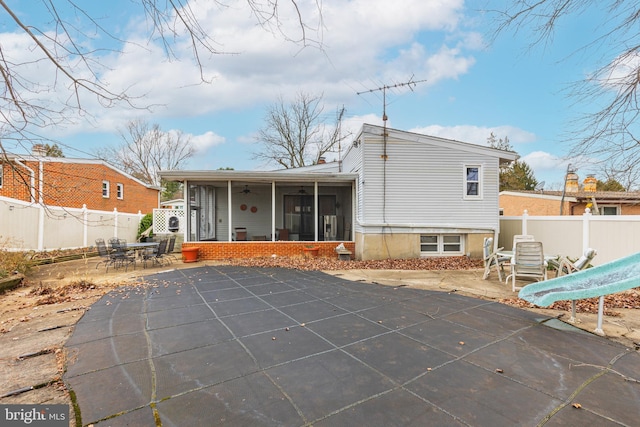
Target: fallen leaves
<point x="627" y="299"/>
<point x="325" y="263"/>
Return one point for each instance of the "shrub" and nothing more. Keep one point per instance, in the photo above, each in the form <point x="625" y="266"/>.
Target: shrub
<point x="11" y="261"/>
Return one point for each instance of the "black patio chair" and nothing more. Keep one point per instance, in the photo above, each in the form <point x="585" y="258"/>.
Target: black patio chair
<point x="121" y="255"/>
<point x="107" y="257"/>
<point x="170" y="246"/>
<point x="158" y="256"/>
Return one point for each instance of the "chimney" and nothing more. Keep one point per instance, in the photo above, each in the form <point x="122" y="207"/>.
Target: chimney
<point x="571" y="182"/>
<point x="590" y="184"/>
<point x="38" y="150"/>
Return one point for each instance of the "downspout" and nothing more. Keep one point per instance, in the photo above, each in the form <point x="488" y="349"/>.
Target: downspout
<point x="33" y="179"/>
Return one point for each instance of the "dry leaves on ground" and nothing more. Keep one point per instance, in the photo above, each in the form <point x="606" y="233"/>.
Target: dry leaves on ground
<point x="324" y="263"/>
<point x="627" y="299"/>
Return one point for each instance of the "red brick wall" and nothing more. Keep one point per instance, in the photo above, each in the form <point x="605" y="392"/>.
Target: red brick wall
<point x="74" y="184"/>
<point x="536" y="206"/>
<point x="225" y="250"/>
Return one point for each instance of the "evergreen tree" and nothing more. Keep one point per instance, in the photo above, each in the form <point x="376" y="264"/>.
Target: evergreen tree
<point x="518" y="176"/>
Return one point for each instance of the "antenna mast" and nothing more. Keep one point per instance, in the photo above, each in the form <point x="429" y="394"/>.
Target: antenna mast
<point x="411" y="84"/>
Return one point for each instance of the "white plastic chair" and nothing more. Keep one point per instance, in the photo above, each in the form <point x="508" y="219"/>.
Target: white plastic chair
<point x="528" y="261"/>
<point x="565" y="266"/>
<point x="522" y="238"/>
<point x="491" y="259"/>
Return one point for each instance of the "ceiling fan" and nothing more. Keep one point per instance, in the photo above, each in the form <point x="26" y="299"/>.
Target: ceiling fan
<point x="245" y="190"/>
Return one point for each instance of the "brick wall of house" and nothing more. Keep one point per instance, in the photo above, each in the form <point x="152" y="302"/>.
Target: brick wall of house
<point x="75" y="184"/>
<point x="225" y="250"/>
<point x="512" y="205"/>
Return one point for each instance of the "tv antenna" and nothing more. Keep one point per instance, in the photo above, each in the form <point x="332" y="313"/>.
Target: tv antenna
<point x="411" y="84"/>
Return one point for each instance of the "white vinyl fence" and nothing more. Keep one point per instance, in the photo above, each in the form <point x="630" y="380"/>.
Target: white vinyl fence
<point x="613" y="236"/>
<point x="27" y="226"/>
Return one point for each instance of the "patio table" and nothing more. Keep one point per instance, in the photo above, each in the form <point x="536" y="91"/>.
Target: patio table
<point x="139" y="247"/>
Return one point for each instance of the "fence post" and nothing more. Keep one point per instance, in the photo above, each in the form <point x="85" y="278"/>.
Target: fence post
<point x="85" y="226"/>
<point x="115" y="222"/>
<point x="586" y="227"/>
<point x="525" y="215"/>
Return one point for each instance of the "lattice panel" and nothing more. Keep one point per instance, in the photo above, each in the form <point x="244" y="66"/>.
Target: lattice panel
<point x="163" y="222"/>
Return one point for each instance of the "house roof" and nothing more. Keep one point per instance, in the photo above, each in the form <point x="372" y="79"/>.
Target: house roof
<point x="504" y="156"/>
<point x="31" y="158"/>
<point x="621" y="197"/>
<point x="285" y="175"/>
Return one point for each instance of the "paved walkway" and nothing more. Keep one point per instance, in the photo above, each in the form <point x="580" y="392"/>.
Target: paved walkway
<point x="237" y="346"/>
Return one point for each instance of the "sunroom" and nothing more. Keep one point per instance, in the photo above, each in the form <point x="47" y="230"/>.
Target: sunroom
<point x="241" y="206"/>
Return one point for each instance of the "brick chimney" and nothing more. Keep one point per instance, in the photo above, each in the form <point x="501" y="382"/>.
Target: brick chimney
<point x="571" y="182"/>
<point x="38" y="150"/>
<point x="589" y="184"/>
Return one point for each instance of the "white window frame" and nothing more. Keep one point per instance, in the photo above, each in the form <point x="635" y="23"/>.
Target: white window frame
<point x="466" y="181"/>
<point x="616" y="207"/>
<point x="440" y="245"/>
<point x="1" y="176"/>
<point x="120" y="191"/>
<point x="105" y="189"/>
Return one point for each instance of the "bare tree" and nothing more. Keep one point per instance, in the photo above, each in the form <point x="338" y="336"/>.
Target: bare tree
<point x="296" y="134"/>
<point x="147" y="149"/>
<point x="61" y="50"/>
<point x="609" y="133"/>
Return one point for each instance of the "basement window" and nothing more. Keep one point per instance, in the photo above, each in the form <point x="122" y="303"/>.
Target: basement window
<point x="441" y="244"/>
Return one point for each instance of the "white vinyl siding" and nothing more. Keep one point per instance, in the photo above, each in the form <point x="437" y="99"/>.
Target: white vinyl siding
<point x="424" y="186"/>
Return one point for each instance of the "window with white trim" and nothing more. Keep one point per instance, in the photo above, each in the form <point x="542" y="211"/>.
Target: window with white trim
<point x="472" y="182"/>
<point x="441" y="244"/>
<point x="105" y="189"/>
<point x="609" y="210"/>
<point x="120" y="191"/>
<point x="1" y="176"/>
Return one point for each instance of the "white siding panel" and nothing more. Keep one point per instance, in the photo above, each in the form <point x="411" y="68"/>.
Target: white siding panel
<point x="425" y="186"/>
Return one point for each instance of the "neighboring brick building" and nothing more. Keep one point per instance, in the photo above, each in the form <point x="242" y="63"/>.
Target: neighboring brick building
<point x="574" y="201"/>
<point x="72" y="183"/>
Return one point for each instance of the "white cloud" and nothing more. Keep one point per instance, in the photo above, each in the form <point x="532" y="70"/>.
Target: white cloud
<point x="206" y="140"/>
<point x="362" y="41"/>
<point x="478" y="134"/>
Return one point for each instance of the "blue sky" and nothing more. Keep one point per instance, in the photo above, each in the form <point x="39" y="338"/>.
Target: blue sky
<point x="472" y="87"/>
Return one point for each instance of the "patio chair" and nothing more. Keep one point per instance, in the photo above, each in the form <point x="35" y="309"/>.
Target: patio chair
<point x="107" y="257"/>
<point x="522" y="238"/>
<point x="241" y="233"/>
<point x="528" y="262"/>
<point x="170" y="247"/>
<point x="492" y="259"/>
<point x="283" y="234"/>
<point x="158" y="256"/>
<point x="566" y="266"/>
<point x="122" y="257"/>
